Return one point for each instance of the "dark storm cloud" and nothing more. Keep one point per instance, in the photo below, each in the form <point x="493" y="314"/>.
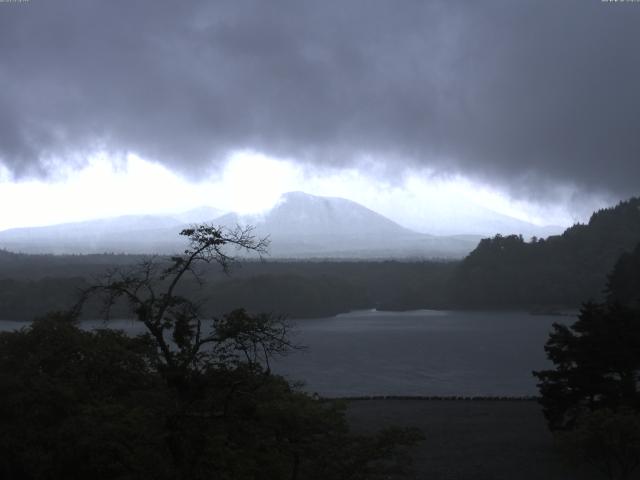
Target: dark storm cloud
<point x="525" y="93"/>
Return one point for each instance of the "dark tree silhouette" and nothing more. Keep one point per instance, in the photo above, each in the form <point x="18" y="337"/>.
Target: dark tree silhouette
<point x="591" y="398"/>
<point x="152" y="292"/>
<point x="597" y="362"/>
<point x="608" y="440"/>
<point x="194" y="398"/>
<point x="624" y="282"/>
<point x="597" y="359"/>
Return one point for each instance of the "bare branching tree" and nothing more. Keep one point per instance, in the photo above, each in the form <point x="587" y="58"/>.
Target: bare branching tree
<point x="184" y="338"/>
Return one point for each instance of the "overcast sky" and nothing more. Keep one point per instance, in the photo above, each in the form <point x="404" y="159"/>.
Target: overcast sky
<point x="534" y="104"/>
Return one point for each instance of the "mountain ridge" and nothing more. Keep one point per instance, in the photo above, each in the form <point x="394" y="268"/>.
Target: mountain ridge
<point x="300" y="225"/>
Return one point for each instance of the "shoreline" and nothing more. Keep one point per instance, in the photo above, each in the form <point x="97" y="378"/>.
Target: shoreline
<point x="439" y="398"/>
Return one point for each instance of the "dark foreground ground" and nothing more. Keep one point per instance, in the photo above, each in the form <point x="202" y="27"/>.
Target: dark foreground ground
<point x="473" y="439"/>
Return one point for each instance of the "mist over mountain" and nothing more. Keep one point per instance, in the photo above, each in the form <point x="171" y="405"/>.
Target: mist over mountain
<point x="464" y="217"/>
<point x="300" y="225"/>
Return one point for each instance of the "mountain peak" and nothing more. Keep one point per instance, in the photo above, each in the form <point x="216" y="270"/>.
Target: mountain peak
<point x="308" y="198"/>
<point x="295" y="195"/>
<point x="200" y="214"/>
<point x="301" y="213"/>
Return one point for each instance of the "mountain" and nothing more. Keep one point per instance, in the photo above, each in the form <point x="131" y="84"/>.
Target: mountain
<point x="128" y="233"/>
<point x="299" y="226"/>
<point x="562" y="270"/>
<point x="198" y="215"/>
<point x="301" y="214"/>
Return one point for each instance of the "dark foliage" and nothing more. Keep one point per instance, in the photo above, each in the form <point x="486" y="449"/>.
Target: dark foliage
<point x="562" y="271"/>
<point x="624" y="281"/>
<point x="591" y="398"/>
<point x="597" y="362"/>
<point x="597" y="359"/>
<point x="301" y="289"/>
<point x="608" y="440"/>
<point x="193" y="398"/>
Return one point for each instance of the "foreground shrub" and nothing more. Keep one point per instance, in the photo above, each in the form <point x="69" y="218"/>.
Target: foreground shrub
<point x="79" y="404"/>
<point x="607" y="440"/>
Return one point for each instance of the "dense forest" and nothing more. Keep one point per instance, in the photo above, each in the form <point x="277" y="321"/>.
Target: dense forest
<point x="31" y="285"/>
<point x="560" y="271"/>
<point x="505" y="272"/>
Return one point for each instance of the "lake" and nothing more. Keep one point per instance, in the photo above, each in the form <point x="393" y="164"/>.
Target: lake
<point x="424" y="352"/>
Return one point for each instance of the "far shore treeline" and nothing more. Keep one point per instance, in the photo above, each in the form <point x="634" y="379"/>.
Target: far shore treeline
<point x="503" y="272"/>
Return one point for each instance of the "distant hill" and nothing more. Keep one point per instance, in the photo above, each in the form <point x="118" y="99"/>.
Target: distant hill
<point x="299" y="226"/>
<point x="128" y="234"/>
<point x="309" y="226"/>
<point x="563" y="270"/>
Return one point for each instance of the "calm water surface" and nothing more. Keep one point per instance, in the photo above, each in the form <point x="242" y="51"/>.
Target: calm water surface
<point x="423" y="352"/>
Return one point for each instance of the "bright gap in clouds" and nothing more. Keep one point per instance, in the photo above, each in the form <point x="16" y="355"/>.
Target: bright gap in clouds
<point x="250" y="183"/>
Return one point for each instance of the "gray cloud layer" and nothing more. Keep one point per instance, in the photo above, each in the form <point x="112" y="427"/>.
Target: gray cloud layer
<point x="528" y="93"/>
